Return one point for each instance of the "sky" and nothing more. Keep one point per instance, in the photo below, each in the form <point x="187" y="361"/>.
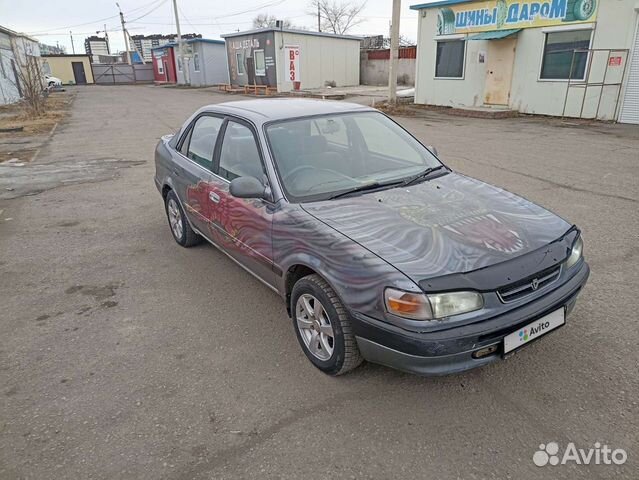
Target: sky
<point x="51" y="21"/>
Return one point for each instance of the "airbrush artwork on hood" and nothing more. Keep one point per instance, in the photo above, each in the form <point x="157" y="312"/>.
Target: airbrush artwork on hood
<point x="486" y="230"/>
<point x="478" y="225"/>
<point x="448" y="225"/>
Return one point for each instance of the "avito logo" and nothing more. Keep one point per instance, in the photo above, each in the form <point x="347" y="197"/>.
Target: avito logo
<point x="525" y="334"/>
<point x="599" y="455"/>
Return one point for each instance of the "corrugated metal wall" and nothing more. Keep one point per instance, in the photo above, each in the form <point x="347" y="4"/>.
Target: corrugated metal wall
<point x="122" y="73"/>
<point x="404" y="52"/>
<point x="322" y="59"/>
<point x="630" y="106"/>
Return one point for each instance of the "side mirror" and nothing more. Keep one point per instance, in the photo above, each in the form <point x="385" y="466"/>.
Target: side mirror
<point x="433" y="150"/>
<point x="247" y="187"/>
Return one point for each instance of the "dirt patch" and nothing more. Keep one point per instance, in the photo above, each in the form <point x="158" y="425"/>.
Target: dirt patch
<point x="24" y="155"/>
<point x="14" y="116"/>
<point x="399" y="109"/>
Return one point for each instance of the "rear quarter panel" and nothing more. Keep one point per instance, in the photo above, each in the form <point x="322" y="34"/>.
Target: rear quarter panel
<point x="163" y="161"/>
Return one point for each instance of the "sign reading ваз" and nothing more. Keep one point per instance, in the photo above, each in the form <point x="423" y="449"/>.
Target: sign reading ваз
<point x="506" y="14"/>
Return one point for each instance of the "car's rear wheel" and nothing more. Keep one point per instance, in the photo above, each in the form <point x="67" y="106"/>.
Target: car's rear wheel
<point x="323" y="326"/>
<point x="180" y="228"/>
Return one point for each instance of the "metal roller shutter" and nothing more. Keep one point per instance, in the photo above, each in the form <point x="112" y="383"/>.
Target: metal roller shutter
<point x="630" y="108"/>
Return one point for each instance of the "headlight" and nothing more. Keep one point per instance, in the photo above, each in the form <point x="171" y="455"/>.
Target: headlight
<point x="576" y="253"/>
<point x="420" y="306"/>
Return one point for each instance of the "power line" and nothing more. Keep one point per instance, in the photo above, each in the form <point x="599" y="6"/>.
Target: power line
<point x="162" y="2"/>
<point x="67" y="27"/>
<point x="187" y="20"/>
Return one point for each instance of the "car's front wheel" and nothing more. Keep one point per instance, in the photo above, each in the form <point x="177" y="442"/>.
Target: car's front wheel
<point x="180" y="228"/>
<point x="323" y="326"/>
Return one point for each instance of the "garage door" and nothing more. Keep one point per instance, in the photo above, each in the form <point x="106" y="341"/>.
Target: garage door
<point x="630" y="107"/>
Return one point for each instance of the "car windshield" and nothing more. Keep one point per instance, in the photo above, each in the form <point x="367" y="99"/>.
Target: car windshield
<point x="320" y="157"/>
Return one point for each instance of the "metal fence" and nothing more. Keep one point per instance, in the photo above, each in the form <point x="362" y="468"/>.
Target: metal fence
<point x="121" y="73"/>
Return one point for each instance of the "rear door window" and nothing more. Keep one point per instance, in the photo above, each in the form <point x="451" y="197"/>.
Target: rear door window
<point x="202" y="140"/>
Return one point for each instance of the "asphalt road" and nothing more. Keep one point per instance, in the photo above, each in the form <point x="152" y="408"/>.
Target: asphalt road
<point x="123" y="355"/>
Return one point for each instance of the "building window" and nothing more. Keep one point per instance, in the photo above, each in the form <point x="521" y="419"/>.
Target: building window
<point x="558" y="55"/>
<point x="240" y="63"/>
<point x="450" y="59"/>
<point x="260" y="65"/>
<point x="196" y="62"/>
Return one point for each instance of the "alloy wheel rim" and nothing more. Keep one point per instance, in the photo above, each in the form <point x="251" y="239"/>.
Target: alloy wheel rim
<point x="314" y="326"/>
<point x="175" y="219"/>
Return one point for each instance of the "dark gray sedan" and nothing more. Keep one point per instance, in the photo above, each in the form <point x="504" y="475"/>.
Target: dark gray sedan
<point x="380" y="251"/>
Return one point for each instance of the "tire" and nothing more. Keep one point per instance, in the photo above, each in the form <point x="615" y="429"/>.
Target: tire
<point x="579" y="10"/>
<point x="178" y="223"/>
<point x="446" y="21"/>
<point x="584" y="9"/>
<point x="345" y="355"/>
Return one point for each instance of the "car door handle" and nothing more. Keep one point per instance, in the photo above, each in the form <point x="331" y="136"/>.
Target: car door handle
<point x="214" y="197"/>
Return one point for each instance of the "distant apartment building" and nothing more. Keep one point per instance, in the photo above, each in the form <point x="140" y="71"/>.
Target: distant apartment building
<point x="145" y="43"/>
<point x="52" y="49"/>
<point x="95" y="46"/>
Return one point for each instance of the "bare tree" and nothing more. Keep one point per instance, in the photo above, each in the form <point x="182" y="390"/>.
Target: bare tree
<point x="29" y="79"/>
<point x="264" y="20"/>
<point x="404" y="41"/>
<point x="337" y="16"/>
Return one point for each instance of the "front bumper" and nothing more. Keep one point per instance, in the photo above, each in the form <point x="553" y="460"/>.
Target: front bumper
<point x="451" y="350"/>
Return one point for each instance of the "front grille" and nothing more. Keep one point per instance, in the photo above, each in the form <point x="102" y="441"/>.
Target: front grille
<point x="518" y="290"/>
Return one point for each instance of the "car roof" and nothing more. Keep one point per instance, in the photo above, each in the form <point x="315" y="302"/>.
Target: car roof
<point x="269" y="109"/>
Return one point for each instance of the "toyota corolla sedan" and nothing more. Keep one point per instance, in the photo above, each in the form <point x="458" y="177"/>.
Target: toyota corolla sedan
<point x="380" y="251"/>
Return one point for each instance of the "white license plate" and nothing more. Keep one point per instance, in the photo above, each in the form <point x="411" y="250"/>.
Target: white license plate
<point x="534" y="330"/>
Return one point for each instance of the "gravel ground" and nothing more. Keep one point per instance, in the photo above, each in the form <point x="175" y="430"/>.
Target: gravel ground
<point x="123" y="355"/>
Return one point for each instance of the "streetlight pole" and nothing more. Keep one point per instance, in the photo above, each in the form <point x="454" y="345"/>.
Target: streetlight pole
<point x="72" y="45"/>
<point x="185" y="70"/>
<point x="394" y="53"/>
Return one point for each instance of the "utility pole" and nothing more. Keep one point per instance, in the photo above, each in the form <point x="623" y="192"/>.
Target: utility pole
<point x="126" y="38"/>
<point x="185" y="70"/>
<point x="136" y="49"/>
<point x="72" y="46"/>
<point x="319" y="24"/>
<point x="106" y="37"/>
<point x="394" y="53"/>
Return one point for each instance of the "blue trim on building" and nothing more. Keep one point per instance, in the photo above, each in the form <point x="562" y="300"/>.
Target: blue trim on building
<point x="441" y="3"/>
<point x="494" y="34"/>
<point x="190" y="40"/>
<point x="290" y="30"/>
<point x="204" y="40"/>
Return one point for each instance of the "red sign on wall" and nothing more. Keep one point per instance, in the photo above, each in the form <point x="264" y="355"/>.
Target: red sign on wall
<point x="292" y="63"/>
<point x="614" y="61"/>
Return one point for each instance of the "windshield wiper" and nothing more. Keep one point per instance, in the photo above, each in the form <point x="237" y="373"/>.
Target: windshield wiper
<point x="421" y="175"/>
<point x="364" y="188"/>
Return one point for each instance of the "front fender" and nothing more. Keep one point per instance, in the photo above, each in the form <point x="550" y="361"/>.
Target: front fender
<point x="357" y="275"/>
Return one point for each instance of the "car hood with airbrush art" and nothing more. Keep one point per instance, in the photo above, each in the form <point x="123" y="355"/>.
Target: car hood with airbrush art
<point x="450" y="224"/>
